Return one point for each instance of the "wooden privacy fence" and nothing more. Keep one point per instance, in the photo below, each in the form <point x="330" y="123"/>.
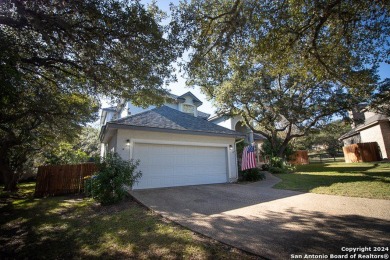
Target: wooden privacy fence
<point x="62" y="179"/>
<point x="362" y="152"/>
<point x="299" y="157"/>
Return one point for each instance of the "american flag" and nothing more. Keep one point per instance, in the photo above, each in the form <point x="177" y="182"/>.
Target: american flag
<point x="248" y="158"/>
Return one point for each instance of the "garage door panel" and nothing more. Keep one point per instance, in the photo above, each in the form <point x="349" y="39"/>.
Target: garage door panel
<point x="179" y="165"/>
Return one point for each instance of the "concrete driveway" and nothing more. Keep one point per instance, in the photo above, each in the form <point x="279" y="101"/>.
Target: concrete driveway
<point x="275" y="224"/>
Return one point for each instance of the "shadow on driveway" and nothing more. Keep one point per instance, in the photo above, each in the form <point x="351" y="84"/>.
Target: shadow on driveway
<point x="274" y="223"/>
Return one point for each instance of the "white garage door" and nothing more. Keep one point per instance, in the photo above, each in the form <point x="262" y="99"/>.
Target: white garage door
<point x="179" y="165"/>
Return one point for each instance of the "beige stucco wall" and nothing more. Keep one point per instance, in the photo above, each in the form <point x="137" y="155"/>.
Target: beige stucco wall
<point x="385" y="126"/>
<point x="126" y="151"/>
<point x="375" y="134"/>
<point x="352" y="140"/>
<point x="111" y="147"/>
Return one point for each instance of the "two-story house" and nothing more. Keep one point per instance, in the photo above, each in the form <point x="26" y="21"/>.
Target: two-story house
<point x="369" y="127"/>
<point x="175" y="143"/>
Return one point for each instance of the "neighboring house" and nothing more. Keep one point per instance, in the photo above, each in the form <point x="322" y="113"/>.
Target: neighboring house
<point x="175" y="143"/>
<point x="369" y="127"/>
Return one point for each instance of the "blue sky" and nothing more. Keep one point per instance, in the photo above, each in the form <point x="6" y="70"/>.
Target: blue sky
<point x="180" y="87"/>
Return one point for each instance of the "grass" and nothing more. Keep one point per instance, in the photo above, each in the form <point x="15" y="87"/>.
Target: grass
<point x="366" y="180"/>
<point x="76" y="227"/>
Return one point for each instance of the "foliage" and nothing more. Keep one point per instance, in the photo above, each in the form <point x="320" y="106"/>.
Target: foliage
<point x="327" y="136"/>
<point x="276" y="170"/>
<point x="88" y="141"/>
<point x="64" y="153"/>
<point x="381" y="99"/>
<point x="278" y="165"/>
<point x="253" y="174"/>
<point x="57" y="58"/>
<point x="37" y="124"/>
<point x="108" y="186"/>
<point x="270" y="150"/>
<point x="265" y="167"/>
<point x="83" y="148"/>
<point x="285" y="66"/>
<point x="283" y="168"/>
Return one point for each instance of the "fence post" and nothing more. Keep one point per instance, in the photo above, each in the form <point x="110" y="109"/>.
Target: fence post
<point x="80" y="176"/>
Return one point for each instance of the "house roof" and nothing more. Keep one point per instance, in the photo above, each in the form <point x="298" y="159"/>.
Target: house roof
<point x="166" y="119"/>
<point x="203" y="115"/>
<point x="367" y="123"/>
<point x="194" y="98"/>
<point x="182" y="99"/>
<point x="258" y="137"/>
<point x="109" y="109"/>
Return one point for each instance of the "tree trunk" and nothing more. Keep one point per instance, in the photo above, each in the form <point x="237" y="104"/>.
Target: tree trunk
<point x="283" y="147"/>
<point x="10" y="178"/>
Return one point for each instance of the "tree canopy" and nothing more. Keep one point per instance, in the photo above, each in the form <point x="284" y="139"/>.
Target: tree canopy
<point x="57" y="57"/>
<point x="285" y="66"/>
<point x="325" y="139"/>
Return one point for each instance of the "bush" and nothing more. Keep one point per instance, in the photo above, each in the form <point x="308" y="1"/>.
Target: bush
<point x="277" y="162"/>
<point x="284" y="169"/>
<point x="265" y="167"/>
<point x="108" y="185"/>
<point x="251" y="175"/>
<point x="276" y="170"/>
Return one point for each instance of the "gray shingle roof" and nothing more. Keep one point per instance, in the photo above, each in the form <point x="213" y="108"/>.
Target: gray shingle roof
<point x="109" y="109"/>
<point x="203" y="115"/>
<point x="166" y="118"/>
<point x="194" y="98"/>
<point x="373" y="119"/>
<point x="258" y="136"/>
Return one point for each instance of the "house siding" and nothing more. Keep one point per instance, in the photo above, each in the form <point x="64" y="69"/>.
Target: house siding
<point x="222" y="121"/>
<point x="112" y="145"/>
<point x="227" y="122"/>
<point x="126" y="151"/>
<point x="385" y="127"/>
<point x="352" y="140"/>
<point x="374" y="134"/>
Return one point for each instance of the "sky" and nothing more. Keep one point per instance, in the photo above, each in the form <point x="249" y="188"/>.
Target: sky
<point x="179" y="87"/>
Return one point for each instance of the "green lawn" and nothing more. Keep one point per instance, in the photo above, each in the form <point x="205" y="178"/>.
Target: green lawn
<point x="75" y="227"/>
<point x="366" y="180"/>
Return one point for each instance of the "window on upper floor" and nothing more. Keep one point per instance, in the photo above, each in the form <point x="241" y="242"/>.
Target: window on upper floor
<point x="189" y="109"/>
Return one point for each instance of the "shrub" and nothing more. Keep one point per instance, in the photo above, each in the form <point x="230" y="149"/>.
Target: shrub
<point x="286" y="168"/>
<point x="265" y="167"/>
<point x="277" y="162"/>
<point x="108" y="185"/>
<point x="251" y="175"/>
<point x="276" y="170"/>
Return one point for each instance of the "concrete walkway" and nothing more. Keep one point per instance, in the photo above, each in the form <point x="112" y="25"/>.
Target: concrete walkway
<point x="274" y="223"/>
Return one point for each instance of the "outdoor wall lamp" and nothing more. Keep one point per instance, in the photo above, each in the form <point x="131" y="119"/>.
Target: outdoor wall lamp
<point x="128" y="142"/>
<point x="230" y="147"/>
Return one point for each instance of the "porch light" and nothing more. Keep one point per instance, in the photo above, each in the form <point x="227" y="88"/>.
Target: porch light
<point x="128" y="142"/>
<point x="230" y="147"/>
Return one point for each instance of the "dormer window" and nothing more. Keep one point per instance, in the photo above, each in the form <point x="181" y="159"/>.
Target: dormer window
<point x="189" y="109"/>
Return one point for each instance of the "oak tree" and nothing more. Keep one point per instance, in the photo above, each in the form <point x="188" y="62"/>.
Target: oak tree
<point x="58" y="57"/>
<point x="285" y="66"/>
